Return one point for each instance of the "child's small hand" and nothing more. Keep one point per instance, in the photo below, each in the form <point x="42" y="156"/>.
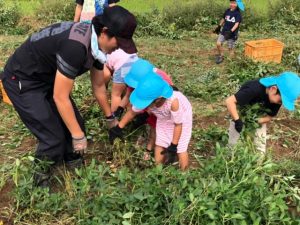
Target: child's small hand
<point x="238" y="124"/>
<point x="170" y="154"/>
<point x="118" y="113"/>
<point x="140" y="120"/>
<point x="114" y="133"/>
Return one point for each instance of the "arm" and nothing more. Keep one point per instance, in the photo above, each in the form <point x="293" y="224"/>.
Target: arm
<point x="78" y="11"/>
<point x="129" y="115"/>
<point x="125" y="99"/>
<point x="231" y="103"/>
<point x="178" y="127"/>
<point x="99" y="89"/>
<point x="236" y="25"/>
<point x="222" y="21"/>
<point x="61" y="95"/>
<point x="177" y="133"/>
<point x="265" y="119"/>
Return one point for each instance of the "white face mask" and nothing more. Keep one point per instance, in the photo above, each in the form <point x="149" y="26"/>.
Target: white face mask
<point x="96" y="52"/>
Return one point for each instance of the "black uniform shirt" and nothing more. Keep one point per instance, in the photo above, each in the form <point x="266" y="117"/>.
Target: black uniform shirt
<point x="63" y="46"/>
<point x="253" y="92"/>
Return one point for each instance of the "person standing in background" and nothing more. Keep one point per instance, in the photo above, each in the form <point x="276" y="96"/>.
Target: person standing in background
<point x="86" y="9"/>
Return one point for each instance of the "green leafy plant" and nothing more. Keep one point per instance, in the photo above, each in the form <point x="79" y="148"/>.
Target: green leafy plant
<point x="233" y="187"/>
<point x="9" y="17"/>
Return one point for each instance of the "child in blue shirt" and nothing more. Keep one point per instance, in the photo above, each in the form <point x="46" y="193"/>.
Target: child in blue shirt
<point x="87" y="9"/>
<point x="231" y="21"/>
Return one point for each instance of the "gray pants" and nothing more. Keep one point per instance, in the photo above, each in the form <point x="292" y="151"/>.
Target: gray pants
<point x="231" y="42"/>
<point x="260" y="139"/>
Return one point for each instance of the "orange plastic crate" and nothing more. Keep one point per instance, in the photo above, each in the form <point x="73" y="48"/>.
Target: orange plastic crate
<point x="267" y="50"/>
<point x="4" y="95"/>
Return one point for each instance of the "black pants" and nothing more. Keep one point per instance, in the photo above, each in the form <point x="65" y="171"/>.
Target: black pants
<point x="33" y="100"/>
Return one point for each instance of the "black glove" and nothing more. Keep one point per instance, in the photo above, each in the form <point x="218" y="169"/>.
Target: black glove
<point x="140" y="120"/>
<point x="228" y="35"/>
<point x="170" y="153"/>
<point x="118" y="113"/>
<point x="218" y="29"/>
<point x="114" y="133"/>
<point x="238" y="124"/>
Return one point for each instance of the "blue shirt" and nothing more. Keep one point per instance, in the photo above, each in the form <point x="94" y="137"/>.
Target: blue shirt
<point x="231" y="18"/>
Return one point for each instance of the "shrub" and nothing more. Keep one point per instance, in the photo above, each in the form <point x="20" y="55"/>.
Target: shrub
<point x="56" y="11"/>
<point x="186" y="15"/>
<point x="287" y="11"/>
<point x="9" y="16"/>
<point x="233" y="187"/>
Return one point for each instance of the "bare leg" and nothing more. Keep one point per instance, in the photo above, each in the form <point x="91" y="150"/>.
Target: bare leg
<point x="150" y="144"/>
<point x="152" y="137"/>
<point x="220" y="49"/>
<point x="159" y="158"/>
<point x="183" y="160"/>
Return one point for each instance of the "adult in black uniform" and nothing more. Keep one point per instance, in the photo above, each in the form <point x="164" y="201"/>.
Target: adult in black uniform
<point x="39" y="78"/>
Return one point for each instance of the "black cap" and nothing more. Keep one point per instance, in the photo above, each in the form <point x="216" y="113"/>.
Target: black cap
<point x="122" y="24"/>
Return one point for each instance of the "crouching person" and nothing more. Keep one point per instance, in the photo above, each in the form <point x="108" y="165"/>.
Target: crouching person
<point x="271" y="93"/>
<point x="174" y="118"/>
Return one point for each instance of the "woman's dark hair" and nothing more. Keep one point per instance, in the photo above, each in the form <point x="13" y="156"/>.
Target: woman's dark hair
<point x="98" y="25"/>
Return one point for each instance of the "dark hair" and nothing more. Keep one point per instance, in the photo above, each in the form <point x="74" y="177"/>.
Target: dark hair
<point x="237" y="8"/>
<point x="98" y="25"/>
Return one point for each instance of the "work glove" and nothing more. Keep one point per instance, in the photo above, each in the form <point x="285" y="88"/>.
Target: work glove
<point x="114" y="133"/>
<point x="118" y="113"/>
<point x="238" y="124"/>
<point x="218" y="29"/>
<point x="228" y="35"/>
<point x="111" y="121"/>
<point x="79" y="145"/>
<point x="140" y="120"/>
<point x="170" y="154"/>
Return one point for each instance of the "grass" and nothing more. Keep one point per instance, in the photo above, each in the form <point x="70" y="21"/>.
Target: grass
<point x="142" y="6"/>
<point x="232" y="187"/>
<point x="138" y="6"/>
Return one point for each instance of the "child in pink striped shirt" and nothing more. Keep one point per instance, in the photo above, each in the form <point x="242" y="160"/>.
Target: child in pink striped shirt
<point x="174" y="118"/>
<point x="139" y="69"/>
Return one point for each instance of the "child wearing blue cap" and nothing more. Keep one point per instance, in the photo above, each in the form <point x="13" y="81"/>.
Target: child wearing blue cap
<point x="231" y="21"/>
<point x="139" y="70"/>
<point x="174" y="118"/>
<point x="271" y="92"/>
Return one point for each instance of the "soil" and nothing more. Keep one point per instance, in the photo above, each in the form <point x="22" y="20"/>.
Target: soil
<point x="5" y="203"/>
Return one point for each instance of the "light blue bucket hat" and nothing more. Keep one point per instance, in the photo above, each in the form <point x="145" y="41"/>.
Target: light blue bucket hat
<point x="288" y="84"/>
<point x="149" y="89"/>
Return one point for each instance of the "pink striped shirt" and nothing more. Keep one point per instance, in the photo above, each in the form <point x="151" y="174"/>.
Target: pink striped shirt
<point x="166" y="120"/>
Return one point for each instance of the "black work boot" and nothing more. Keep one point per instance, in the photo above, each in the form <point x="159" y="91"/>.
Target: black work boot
<point x="42" y="179"/>
<point x="74" y="161"/>
<point x="219" y="59"/>
<point x="74" y="164"/>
